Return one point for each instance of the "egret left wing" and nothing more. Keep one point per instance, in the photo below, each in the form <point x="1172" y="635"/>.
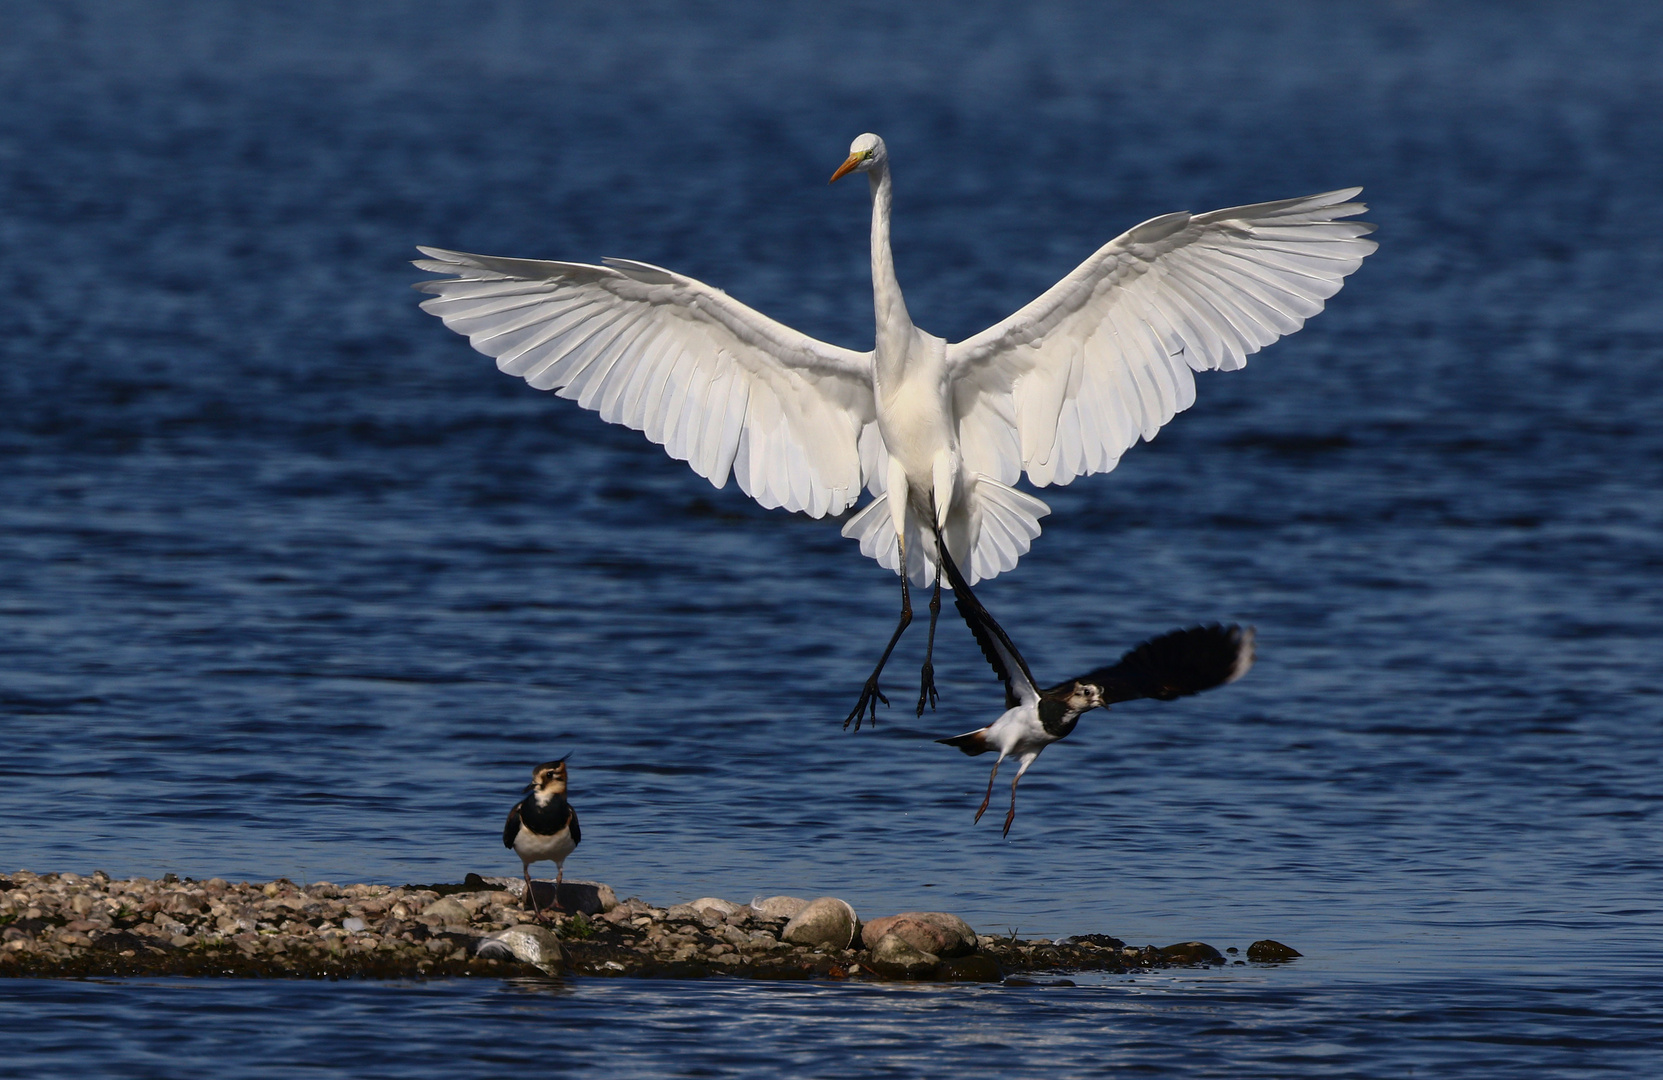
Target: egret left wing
<point x="717" y="384"/>
<point x="1105" y="356"/>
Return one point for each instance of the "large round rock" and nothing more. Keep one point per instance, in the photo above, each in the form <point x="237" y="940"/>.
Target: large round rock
<point x="535" y="945"/>
<point x="894" y="957"/>
<point x="778" y="907"/>
<point x="934" y="932"/>
<point x="451" y="911"/>
<point x="826" y="921"/>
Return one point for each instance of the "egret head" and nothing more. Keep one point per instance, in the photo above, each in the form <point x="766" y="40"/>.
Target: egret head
<point x="865" y="154"/>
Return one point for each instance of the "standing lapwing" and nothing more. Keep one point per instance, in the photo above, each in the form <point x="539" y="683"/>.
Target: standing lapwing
<point x="1173" y="665"/>
<point x="542" y="826"/>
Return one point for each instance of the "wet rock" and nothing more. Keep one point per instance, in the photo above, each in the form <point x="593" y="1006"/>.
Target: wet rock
<point x="778" y="907"/>
<point x="1192" y="952"/>
<point x="1271" y="952"/>
<point x="895" y="957"/>
<point x="535" y="945"/>
<point x="447" y="910"/>
<point x="825" y="921"/>
<point x="586" y="897"/>
<point x="977" y="967"/>
<point x="928" y="931"/>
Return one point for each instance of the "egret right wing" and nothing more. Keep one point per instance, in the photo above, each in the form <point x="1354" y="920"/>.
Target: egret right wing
<point x="1105" y="356"/>
<point x="714" y="382"/>
<point x="996" y="645"/>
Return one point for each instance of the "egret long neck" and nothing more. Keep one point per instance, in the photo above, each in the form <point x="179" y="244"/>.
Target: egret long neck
<point x="894" y="324"/>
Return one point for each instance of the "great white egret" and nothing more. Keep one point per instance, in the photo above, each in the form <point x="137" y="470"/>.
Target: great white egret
<point x="937" y="432"/>
<point x="1173" y="665"/>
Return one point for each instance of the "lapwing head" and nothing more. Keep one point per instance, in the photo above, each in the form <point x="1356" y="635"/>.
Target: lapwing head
<point x="549" y="778"/>
<point x="1083" y="696"/>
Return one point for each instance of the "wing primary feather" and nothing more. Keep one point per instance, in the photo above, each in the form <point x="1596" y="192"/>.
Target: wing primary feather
<point x="1176" y="664"/>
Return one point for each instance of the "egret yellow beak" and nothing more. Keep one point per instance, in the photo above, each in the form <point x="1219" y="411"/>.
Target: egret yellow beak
<point x="847" y="167"/>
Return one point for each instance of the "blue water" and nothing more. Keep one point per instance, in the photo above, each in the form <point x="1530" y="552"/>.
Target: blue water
<point x="293" y="583"/>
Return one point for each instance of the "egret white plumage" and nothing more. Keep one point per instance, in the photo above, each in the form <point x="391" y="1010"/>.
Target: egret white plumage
<point x="937" y="432"/>
<point x="1173" y="665"/>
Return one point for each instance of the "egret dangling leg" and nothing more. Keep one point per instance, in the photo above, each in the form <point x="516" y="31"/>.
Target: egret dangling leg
<point x="870" y="695"/>
<point x="926" y="683"/>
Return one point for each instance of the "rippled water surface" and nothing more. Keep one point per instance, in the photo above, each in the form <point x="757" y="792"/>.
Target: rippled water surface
<point x="293" y="583"/>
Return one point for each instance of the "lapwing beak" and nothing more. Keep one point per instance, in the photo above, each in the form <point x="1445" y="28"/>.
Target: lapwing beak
<point x="528" y="789"/>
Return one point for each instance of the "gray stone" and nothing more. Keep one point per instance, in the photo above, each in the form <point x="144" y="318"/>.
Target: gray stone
<point x="505" y="884"/>
<point x="724" y="908"/>
<point x="895" y="957"/>
<point x="587" y="897"/>
<point x="448" y="911"/>
<point x="928" y="931"/>
<point x="825" y="921"/>
<point x="778" y="907"/>
<point x="535" y="945"/>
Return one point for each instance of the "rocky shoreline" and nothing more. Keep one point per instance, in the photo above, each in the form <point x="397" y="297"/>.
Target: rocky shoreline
<point x="73" y="926"/>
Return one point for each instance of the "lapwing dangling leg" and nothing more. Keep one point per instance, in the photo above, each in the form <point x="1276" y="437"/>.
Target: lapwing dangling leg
<point x="1010" y="816"/>
<point x="870" y="695"/>
<point x="982" y="809"/>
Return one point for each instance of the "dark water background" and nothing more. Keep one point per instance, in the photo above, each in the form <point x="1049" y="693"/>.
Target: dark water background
<point x="293" y="583"/>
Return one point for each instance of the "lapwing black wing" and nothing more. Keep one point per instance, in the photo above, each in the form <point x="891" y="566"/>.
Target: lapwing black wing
<point x="543" y="826"/>
<point x="1173" y="665"/>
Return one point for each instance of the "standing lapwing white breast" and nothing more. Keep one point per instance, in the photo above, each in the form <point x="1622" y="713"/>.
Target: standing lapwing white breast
<point x="543" y="826"/>
<point x="1173" y="665"/>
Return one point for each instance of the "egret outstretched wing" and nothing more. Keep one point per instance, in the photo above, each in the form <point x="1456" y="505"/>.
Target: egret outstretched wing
<point x="1105" y="356"/>
<point x="717" y="384"/>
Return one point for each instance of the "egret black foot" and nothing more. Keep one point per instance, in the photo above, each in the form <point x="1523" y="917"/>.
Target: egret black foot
<point x="870" y="695"/>
<point x="926" y="688"/>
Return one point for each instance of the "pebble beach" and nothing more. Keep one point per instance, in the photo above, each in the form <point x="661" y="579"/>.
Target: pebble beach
<point x="70" y="925"/>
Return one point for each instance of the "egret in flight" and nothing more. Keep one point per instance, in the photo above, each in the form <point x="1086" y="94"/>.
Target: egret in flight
<point x="939" y="433"/>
